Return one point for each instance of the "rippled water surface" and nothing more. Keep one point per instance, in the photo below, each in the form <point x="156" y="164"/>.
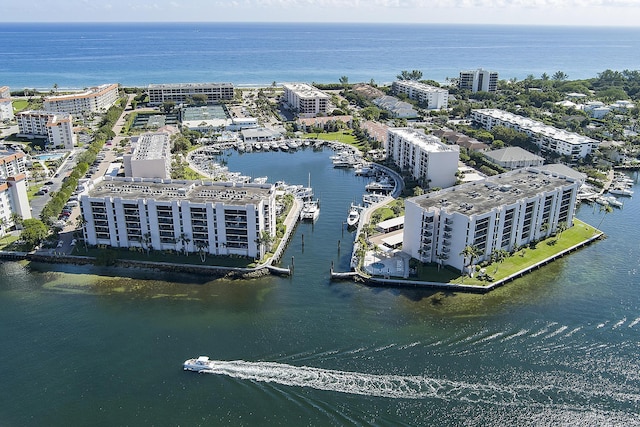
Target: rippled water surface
<point x="89" y="346"/>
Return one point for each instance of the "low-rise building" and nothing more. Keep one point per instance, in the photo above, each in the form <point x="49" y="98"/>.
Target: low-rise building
<point x="151" y="157"/>
<point x="425" y="156"/>
<point x="479" y="80"/>
<point x="306" y="124"/>
<point x="180" y="92"/>
<point x="502" y="212"/>
<point x="94" y="100"/>
<point x="218" y="218"/>
<point x="398" y="109"/>
<point x="260" y="134"/>
<point x="306" y="100"/>
<point x="548" y="138"/>
<point x="55" y="128"/>
<point x="514" y="158"/>
<point x="431" y="97"/>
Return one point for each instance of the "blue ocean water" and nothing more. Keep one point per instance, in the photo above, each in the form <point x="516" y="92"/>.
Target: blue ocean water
<point x="80" y="55"/>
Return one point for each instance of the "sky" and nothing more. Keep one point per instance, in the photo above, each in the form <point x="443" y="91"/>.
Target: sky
<point x="506" y="12"/>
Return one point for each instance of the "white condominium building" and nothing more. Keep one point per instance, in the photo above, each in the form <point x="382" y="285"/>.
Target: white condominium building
<point x="433" y="98"/>
<point x="425" y="156"/>
<point x="179" y="92"/>
<point x="548" y="138"/>
<point x="6" y="105"/>
<point x="151" y="157"/>
<point x="55" y="128"/>
<point x="95" y="100"/>
<point x="12" y="163"/>
<point x="219" y="218"/>
<point x="13" y="189"/>
<point x="501" y="212"/>
<point x="305" y="99"/>
<point x="478" y="80"/>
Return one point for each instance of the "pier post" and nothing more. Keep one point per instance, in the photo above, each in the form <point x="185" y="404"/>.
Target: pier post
<point x="338" y="246"/>
<point x="303" y="240"/>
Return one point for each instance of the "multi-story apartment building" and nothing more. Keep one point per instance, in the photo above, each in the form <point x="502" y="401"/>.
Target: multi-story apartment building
<point x="548" y="138"/>
<point x="425" y="156"/>
<point x="12" y="163"/>
<point x="95" y="100"/>
<point x="501" y="212"/>
<point x="151" y="157"/>
<point x="6" y="105"/>
<point x="220" y="218"/>
<point x="478" y="80"/>
<point x="55" y="128"/>
<point x="305" y="99"/>
<point x="179" y="92"/>
<point x="431" y="97"/>
<point x="13" y="189"/>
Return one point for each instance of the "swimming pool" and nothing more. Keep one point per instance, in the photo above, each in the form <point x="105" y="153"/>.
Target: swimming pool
<point x="45" y="157"/>
<point x="377" y="265"/>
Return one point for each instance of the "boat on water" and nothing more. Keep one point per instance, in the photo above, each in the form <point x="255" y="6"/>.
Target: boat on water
<point x="614" y="201"/>
<point x="383" y="184"/>
<point x="310" y="210"/>
<point x="619" y="191"/>
<point x="602" y="201"/>
<point x="199" y="364"/>
<point x="353" y="217"/>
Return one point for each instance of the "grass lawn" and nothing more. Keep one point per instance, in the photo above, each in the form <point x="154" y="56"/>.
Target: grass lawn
<point x="386" y="211"/>
<point x="20" y="104"/>
<point x="164" y="256"/>
<point x="518" y="261"/>
<point x="342" y="136"/>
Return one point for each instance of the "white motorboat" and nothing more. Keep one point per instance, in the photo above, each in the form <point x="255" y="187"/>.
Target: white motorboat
<point x="310" y="210"/>
<point x="353" y="217"/>
<point x="621" y="191"/>
<point x="383" y="184"/>
<point x="614" y="202"/>
<point x="200" y="364"/>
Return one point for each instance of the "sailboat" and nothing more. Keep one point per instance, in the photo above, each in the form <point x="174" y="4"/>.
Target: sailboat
<point x="310" y="208"/>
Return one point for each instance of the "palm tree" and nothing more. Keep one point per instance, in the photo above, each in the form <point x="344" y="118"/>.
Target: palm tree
<point x="16" y="218"/>
<point x="606" y="209"/>
<point x="80" y="224"/>
<point x="184" y="241"/>
<point x="499" y="255"/>
<point x="202" y="246"/>
<point x="471" y="252"/>
<point x="561" y="227"/>
<point x="441" y="258"/>
<point x="146" y="242"/>
<point x="3" y="224"/>
<point x="544" y="228"/>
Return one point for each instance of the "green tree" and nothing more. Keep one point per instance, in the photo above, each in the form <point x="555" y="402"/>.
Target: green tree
<point x="344" y="81"/>
<point x="471" y="253"/>
<point x="34" y="231"/>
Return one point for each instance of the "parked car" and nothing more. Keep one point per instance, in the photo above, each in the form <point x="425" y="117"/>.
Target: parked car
<point x="60" y="244"/>
<point x="48" y="183"/>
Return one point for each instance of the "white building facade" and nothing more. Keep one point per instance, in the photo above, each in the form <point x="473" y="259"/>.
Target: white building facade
<point x="433" y="98"/>
<point x="478" y="80"/>
<point x="151" y="157"/>
<point x="305" y="99"/>
<point x="547" y="138"/>
<point x="55" y="128"/>
<point x="6" y="104"/>
<point x="425" y="156"/>
<point x="501" y="212"/>
<point x="179" y="92"/>
<point x="96" y="99"/>
<point x="211" y="217"/>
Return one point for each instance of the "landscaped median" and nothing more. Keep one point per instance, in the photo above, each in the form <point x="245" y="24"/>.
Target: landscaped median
<point x="491" y="275"/>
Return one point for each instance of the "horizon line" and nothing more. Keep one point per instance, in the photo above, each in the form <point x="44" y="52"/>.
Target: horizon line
<point x="485" y="24"/>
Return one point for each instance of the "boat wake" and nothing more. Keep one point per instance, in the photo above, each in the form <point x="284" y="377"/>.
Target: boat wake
<point x="410" y="387"/>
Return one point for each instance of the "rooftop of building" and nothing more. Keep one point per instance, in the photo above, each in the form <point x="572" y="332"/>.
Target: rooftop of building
<point x="420" y="86"/>
<point x="511" y="154"/>
<point x="426" y="142"/>
<point x="7" y="155"/>
<point x="91" y="92"/>
<point x="305" y="90"/>
<point x="538" y="127"/>
<point x="187" y="85"/>
<point x="479" y="197"/>
<point x="56" y="114"/>
<point x="167" y="190"/>
<point x="152" y="146"/>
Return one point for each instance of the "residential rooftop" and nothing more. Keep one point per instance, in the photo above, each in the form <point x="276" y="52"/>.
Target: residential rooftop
<point x="167" y="190"/>
<point x="428" y="143"/>
<point x="479" y="197"/>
